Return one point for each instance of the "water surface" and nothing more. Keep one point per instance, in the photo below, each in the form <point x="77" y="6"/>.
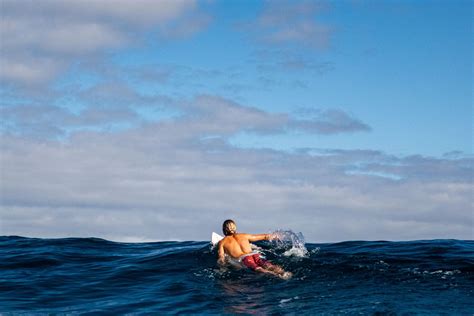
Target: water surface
<point x="90" y="275"/>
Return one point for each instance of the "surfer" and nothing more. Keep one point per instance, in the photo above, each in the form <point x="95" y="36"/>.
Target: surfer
<point x="237" y="247"/>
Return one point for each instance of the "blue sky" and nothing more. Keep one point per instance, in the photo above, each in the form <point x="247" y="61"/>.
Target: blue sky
<point x="372" y="96"/>
<point x="402" y="67"/>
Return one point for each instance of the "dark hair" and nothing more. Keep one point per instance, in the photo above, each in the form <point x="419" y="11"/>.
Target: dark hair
<point x="226" y="227"/>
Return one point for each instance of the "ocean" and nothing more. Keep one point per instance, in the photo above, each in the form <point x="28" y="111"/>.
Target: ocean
<point x="94" y="276"/>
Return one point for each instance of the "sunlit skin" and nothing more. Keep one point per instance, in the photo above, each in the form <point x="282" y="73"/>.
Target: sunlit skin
<point x="236" y="245"/>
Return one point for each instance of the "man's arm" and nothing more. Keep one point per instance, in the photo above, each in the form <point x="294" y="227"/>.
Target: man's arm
<point x="221" y="253"/>
<point x="258" y="237"/>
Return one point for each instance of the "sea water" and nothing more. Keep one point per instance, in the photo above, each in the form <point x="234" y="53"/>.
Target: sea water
<point x="95" y="276"/>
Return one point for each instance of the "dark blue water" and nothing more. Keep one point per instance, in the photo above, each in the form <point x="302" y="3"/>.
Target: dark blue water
<point x="94" y="276"/>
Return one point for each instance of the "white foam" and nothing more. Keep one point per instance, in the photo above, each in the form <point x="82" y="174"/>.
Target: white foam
<point x="287" y="300"/>
<point x="296" y="252"/>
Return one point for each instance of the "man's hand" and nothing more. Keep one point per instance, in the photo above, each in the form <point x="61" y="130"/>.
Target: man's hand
<point x="221" y="254"/>
<point x="273" y="236"/>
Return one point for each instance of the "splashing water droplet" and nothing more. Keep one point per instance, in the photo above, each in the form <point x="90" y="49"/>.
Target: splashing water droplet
<point x="291" y="242"/>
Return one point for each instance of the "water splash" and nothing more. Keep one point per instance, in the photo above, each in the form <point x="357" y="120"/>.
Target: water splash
<point x="292" y="243"/>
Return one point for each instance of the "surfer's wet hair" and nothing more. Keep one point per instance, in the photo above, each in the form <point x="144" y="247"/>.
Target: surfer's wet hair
<point x="226" y="227"/>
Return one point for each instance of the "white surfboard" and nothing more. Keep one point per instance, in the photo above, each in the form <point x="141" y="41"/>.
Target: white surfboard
<point x="215" y="238"/>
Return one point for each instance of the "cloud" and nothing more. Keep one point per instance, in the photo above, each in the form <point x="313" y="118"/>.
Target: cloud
<point x="49" y="121"/>
<point x="148" y="183"/>
<point x="289" y="23"/>
<point x="179" y="178"/>
<point x="294" y="64"/>
<point x="204" y="115"/>
<point x="330" y="122"/>
<point x="213" y="115"/>
<point x="27" y="70"/>
<point x="50" y="35"/>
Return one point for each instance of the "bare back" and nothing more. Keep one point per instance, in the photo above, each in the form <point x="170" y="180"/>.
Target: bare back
<point x="236" y="245"/>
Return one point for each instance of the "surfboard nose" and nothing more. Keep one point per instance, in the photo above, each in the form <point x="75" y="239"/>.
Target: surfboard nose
<point x="215" y="238"/>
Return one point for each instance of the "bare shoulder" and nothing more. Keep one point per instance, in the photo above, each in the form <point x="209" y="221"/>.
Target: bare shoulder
<point x="242" y="236"/>
<point x="224" y="240"/>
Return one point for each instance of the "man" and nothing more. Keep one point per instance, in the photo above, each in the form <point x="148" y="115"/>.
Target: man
<point x="237" y="246"/>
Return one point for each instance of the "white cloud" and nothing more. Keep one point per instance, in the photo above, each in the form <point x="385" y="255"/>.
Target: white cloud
<point x="28" y="70"/>
<point x="330" y="122"/>
<point x="204" y="115"/>
<point x="60" y="32"/>
<point x="48" y="121"/>
<point x="287" y="23"/>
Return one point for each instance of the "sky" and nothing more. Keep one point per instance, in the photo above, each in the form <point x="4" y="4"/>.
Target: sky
<point x="157" y="120"/>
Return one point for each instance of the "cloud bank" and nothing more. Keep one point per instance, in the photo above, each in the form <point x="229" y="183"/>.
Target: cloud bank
<point x="179" y="178"/>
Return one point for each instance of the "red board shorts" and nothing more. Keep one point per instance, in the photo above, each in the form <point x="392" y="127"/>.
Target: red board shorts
<point x="254" y="261"/>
